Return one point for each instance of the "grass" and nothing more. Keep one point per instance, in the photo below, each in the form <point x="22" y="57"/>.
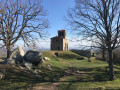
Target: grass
<point x="68" y="72"/>
<point x="90" y="76"/>
<point x="54" y="61"/>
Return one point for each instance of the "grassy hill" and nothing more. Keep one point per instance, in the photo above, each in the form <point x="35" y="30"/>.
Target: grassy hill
<point x="71" y="57"/>
<point x="65" y="56"/>
<point x="67" y="73"/>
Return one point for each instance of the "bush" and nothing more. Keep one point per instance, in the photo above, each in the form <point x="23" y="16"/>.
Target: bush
<point x="116" y="55"/>
<point x="99" y="56"/>
<point x="80" y="58"/>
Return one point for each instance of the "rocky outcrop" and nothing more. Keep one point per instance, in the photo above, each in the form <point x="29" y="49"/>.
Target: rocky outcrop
<point x="33" y="56"/>
<point x="17" y="54"/>
<point x="24" y="60"/>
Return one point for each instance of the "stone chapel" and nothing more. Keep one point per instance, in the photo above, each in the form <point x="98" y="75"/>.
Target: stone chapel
<point x="60" y="42"/>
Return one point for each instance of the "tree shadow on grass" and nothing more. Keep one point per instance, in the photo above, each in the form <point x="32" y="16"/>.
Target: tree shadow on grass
<point x="52" y="76"/>
<point x="91" y="74"/>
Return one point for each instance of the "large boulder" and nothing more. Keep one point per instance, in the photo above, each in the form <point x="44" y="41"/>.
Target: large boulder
<point x="17" y="54"/>
<point x="33" y="56"/>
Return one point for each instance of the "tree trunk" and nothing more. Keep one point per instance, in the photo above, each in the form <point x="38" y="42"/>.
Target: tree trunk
<point x="111" y="72"/>
<point x="103" y="55"/>
<point x="9" y="50"/>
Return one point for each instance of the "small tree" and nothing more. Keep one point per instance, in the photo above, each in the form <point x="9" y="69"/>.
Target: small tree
<point x="98" y="20"/>
<point x="102" y="48"/>
<point x="21" y="20"/>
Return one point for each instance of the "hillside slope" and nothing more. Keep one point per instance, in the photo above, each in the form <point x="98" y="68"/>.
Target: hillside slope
<point x="67" y="73"/>
<point x="60" y="59"/>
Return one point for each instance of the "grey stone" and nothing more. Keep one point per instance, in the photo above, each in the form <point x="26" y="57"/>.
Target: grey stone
<point x="46" y="59"/>
<point x="22" y="68"/>
<point x="17" y="54"/>
<point x="78" y="71"/>
<point x="1" y="61"/>
<point x="33" y="56"/>
<point x="9" y="61"/>
<point x="27" y="65"/>
<point x="1" y="75"/>
<point x="36" y="71"/>
<point x="89" y="60"/>
<point x="49" y="67"/>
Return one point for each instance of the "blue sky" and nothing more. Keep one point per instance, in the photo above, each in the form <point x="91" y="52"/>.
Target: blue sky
<point x="56" y="10"/>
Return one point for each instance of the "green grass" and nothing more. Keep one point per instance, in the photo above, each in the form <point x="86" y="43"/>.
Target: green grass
<point x="106" y="85"/>
<point x="54" y="61"/>
<point x="67" y="55"/>
<point x="67" y="71"/>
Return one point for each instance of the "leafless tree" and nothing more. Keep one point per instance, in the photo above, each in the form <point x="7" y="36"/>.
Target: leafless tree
<point x="101" y="46"/>
<point x="98" y="20"/>
<point x="21" y="20"/>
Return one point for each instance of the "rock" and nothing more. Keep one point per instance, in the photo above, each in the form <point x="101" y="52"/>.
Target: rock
<point x="36" y="71"/>
<point x="78" y="71"/>
<point x="21" y="67"/>
<point x="40" y="63"/>
<point x="46" y="59"/>
<point x="49" y="67"/>
<point x="89" y="60"/>
<point x="33" y="56"/>
<point x="1" y="60"/>
<point x="17" y="54"/>
<point x="27" y="65"/>
<point x="1" y="75"/>
<point x="9" y="61"/>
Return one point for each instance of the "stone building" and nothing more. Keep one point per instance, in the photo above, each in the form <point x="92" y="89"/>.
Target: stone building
<point x="60" y="42"/>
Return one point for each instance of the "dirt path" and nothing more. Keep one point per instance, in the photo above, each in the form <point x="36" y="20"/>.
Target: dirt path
<point x="51" y="86"/>
<point x="70" y="64"/>
<point x="45" y="86"/>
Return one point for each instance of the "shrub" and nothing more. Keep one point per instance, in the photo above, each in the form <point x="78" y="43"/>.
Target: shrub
<point x="116" y="55"/>
<point x="80" y="58"/>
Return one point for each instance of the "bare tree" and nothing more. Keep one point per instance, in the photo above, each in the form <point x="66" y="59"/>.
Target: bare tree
<point x="102" y="48"/>
<point x="98" y="20"/>
<point x="20" y="20"/>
